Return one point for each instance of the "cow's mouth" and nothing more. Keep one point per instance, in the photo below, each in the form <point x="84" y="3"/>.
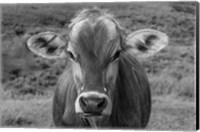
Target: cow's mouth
<point x="94" y="119"/>
<point x="91" y="114"/>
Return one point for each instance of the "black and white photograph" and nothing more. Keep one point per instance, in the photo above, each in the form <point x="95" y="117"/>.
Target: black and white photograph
<point x="99" y="65"/>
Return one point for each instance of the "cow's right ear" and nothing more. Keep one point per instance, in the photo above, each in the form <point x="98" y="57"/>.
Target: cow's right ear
<point x="48" y="45"/>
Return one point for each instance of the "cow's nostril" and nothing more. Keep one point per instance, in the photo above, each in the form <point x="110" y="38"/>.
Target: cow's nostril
<point x="102" y="103"/>
<point x="83" y="102"/>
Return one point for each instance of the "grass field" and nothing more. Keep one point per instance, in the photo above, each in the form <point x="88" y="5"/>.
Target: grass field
<point x="28" y="81"/>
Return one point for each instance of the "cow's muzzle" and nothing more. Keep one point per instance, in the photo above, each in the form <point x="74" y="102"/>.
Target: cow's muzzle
<point x="93" y="104"/>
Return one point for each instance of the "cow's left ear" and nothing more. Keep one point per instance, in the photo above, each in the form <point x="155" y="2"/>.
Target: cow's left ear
<point x="146" y="42"/>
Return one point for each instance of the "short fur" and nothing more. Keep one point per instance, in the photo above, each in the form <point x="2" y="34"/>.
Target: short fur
<point x="132" y="98"/>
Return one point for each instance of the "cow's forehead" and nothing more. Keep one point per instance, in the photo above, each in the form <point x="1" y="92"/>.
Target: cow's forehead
<point x="94" y="40"/>
<point x="109" y="24"/>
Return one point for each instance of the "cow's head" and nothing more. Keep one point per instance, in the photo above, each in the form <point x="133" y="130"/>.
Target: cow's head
<point x="94" y="45"/>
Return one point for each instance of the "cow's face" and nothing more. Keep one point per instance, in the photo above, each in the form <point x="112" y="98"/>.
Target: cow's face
<point x="94" y="50"/>
<point x="94" y="47"/>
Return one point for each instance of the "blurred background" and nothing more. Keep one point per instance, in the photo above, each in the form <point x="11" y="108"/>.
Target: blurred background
<point x="29" y="81"/>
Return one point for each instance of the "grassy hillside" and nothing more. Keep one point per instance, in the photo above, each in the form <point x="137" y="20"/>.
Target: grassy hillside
<point x="28" y="80"/>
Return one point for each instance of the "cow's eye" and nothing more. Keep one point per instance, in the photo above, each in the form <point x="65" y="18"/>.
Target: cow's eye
<point x="70" y="54"/>
<point x="116" y="56"/>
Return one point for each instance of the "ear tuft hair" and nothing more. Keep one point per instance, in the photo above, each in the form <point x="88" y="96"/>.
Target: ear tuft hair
<point x="48" y="45"/>
<point x="146" y="42"/>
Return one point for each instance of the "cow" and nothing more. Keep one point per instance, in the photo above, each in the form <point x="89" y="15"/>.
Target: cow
<point x="103" y="85"/>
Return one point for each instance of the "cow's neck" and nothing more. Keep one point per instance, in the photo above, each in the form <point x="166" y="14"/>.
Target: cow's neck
<point x="126" y="96"/>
